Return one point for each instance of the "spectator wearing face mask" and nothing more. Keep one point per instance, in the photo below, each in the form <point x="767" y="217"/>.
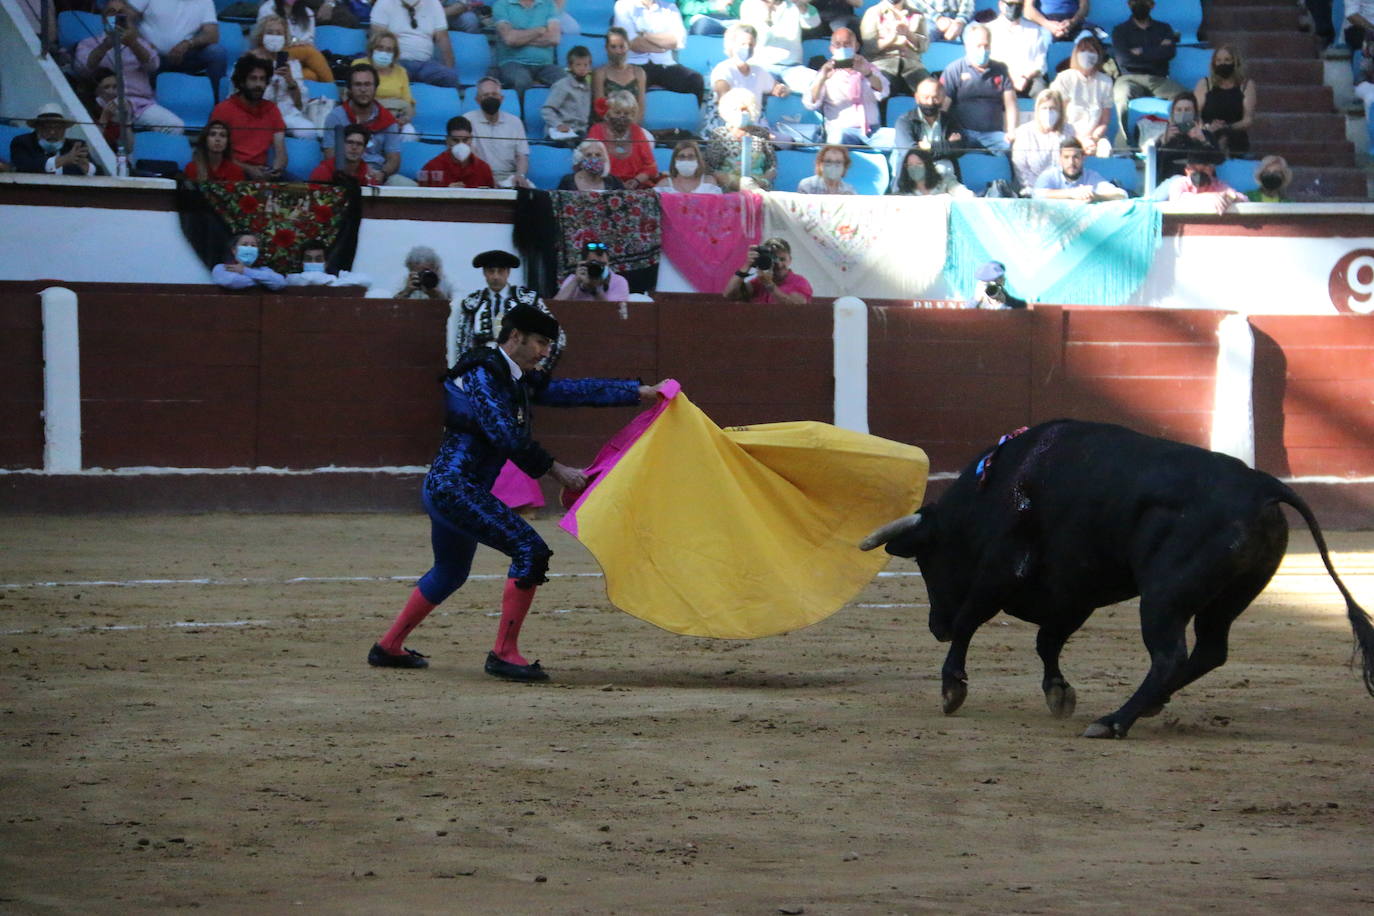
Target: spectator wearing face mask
<point x="894" y="38"/>
<point x="739" y="70"/>
<point x="284" y="88"/>
<point x="779" y="25"/>
<point x="846" y="92"/>
<point x="629" y="146"/>
<point x="1183" y="134"/>
<point x="832" y="164"/>
<point x="594" y="279"/>
<point x="239" y="270"/>
<point x="687" y="173"/>
<point x="1274" y="177"/>
<point x="498" y="137"/>
<point x="1087" y="93"/>
<point x="655" y="30"/>
<point x="458" y="166"/>
<point x="617" y="74"/>
<point x="315" y="272"/>
<point x="1227" y="101"/>
<point x="981" y="92"/>
<point x="739" y="115"/>
<point x="421" y="28"/>
<point x="360" y="106"/>
<point x="1022" y="46"/>
<point x="1035" y="144"/>
<point x="392" y="80"/>
<point x="591" y="170"/>
<point x="567" y="109"/>
<point x="1143" y="47"/>
<point x="1199" y="185"/>
<point x="47" y="149"/>
<point x="299" y="42"/>
<point x="930" y="127"/>
<point x="917" y="176"/>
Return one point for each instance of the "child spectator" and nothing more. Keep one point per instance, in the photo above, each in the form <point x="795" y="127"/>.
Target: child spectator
<point x="459" y="167"/>
<point x="239" y="270"/>
<point x="567" y="109"/>
<point x="315" y="273"/>
<point x="832" y="164"/>
<point x="210" y="156"/>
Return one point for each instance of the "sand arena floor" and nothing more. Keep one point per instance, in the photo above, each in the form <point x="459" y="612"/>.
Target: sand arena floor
<point x="214" y="739"/>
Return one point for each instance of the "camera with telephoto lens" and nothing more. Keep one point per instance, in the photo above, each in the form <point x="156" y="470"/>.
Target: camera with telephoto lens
<point x="994" y="289"/>
<point x="593" y="269"/>
<point x="120" y="21"/>
<point x="429" y="279"/>
<point x="764" y="261"/>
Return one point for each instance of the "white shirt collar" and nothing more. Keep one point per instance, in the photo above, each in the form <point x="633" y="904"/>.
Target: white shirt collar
<point x="515" y="371"/>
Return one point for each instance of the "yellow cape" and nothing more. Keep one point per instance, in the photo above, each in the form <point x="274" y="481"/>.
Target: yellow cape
<point x="745" y="532"/>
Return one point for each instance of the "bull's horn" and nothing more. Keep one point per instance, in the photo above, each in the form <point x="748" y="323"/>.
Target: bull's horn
<point x="890" y="531"/>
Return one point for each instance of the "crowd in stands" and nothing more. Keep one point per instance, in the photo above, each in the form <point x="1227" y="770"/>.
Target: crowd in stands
<point x="946" y="96"/>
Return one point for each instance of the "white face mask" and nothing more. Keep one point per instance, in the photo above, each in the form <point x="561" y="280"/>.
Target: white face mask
<point x="1049" y="117"/>
<point x="1088" y="59"/>
<point x="833" y="171"/>
<point x="273" y="43"/>
<point x="686" y="167"/>
<point x="742" y="53"/>
<point x="461" y="151"/>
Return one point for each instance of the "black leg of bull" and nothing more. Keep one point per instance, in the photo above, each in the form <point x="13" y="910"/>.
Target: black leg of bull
<point x="1166" y="639"/>
<point x="1049" y="642"/>
<point x="953" y="677"/>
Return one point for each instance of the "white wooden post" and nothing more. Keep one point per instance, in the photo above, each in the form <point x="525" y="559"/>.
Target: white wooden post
<point x="851" y="364"/>
<point x="1233" y="405"/>
<point x="61" y="382"/>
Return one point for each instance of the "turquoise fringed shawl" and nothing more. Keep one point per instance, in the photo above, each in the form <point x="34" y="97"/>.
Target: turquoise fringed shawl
<point x="1055" y="251"/>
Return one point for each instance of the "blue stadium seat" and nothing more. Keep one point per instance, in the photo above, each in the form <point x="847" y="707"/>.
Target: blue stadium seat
<point x="663" y="109"/>
<point x="471" y="55"/>
<point x="1108" y="14"/>
<point x="232" y="40"/>
<point x="314" y="89"/>
<point x="348" y="42"/>
<point x="702" y="53"/>
<point x="1184" y="15"/>
<point x="190" y="97"/>
<point x="982" y="5"/>
<point x="790" y="110"/>
<point x="815" y="47"/>
<point x="1190" y="65"/>
<point x="868" y="172"/>
<point x="941" y="54"/>
<point x="793" y="166"/>
<point x="434" y="105"/>
<point x="977" y="170"/>
<point x="1139" y="108"/>
<point x="73" y="26"/>
<point x="897" y="106"/>
<point x="301" y="158"/>
<point x="415" y="155"/>
<point x="1239" y="174"/>
<point x="663" y="155"/>
<point x="548" y="165"/>
<point x="7" y="134"/>
<point x="1120" y="170"/>
<point x="593" y="43"/>
<point x="220" y="5"/>
<point x="535" y="128"/>
<point x="594" y="16"/>
<point x="1058" y="53"/>
<point x="150" y="144"/>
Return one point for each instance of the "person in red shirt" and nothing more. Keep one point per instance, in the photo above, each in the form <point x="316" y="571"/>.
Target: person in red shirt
<point x="630" y="146"/>
<point x="210" y="156"/>
<point x="256" y="126"/>
<point x="459" y="167"/>
<point x="355" y="138"/>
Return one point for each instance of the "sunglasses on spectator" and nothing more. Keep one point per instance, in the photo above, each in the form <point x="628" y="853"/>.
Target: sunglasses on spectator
<point x="596" y="246"/>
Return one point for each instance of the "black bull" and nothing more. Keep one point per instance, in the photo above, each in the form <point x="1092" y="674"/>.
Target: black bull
<point x="1068" y="517"/>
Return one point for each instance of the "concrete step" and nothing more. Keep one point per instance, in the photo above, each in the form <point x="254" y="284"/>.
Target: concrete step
<point x="1327" y="183"/>
<point x="1248" y="18"/>
<point x="1285" y="72"/>
<point x="1302" y="45"/>
<point x="1309" y="127"/>
<point x="1285" y="98"/>
<point x="1340" y="154"/>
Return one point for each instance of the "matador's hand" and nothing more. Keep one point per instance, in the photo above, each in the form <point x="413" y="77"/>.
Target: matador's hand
<point x="570" y="478"/>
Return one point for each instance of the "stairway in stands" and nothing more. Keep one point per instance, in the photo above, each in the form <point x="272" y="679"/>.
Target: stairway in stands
<point x="1297" y="117"/>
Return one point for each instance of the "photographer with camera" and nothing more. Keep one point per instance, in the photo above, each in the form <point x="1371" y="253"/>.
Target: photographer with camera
<point x="772" y="279"/>
<point x="991" y="292"/>
<point x="594" y="279"/>
<point x="424" y="276"/>
<point x="120" y="47"/>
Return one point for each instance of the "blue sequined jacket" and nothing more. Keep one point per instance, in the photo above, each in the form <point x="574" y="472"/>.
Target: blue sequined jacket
<point x="488" y="417"/>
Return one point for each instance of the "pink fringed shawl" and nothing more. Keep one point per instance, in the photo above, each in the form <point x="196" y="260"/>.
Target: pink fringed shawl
<point x="707" y="236"/>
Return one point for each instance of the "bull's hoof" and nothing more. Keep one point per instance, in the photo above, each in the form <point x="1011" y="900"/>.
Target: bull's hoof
<point x="1103" y="730"/>
<point x="954" y="694"/>
<point x="1061" y="699"/>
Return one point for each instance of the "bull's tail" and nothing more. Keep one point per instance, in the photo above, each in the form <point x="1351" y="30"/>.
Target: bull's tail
<point x="1359" y="620"/>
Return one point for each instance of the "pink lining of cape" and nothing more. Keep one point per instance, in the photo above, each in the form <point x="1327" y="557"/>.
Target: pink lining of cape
<point x="517" y="489"/>
<point x="615" y="449"/>
<point x="707" y="236"/>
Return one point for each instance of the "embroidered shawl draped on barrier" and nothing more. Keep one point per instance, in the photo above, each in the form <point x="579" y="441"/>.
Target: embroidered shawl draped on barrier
<point x="744" y="532"/>
<point x="850" y="245"/>
<point x="281" y="215"/>
<point x="1055" y="251"/>
<point x="707" y="236"/>
<point x="552" y="226"/>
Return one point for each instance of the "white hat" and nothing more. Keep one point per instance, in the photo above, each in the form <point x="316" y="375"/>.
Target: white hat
<point x="48" y="111"/>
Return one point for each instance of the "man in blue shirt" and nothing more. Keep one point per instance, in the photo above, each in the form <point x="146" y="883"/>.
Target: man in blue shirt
<point x="981" y="92"/>
<point x="1063" y="18"/>
<point x="1073" y="182"/>
<point x="383" y="154"/>
<point x="1143" y="47"/>
<point x="527" y="36"/>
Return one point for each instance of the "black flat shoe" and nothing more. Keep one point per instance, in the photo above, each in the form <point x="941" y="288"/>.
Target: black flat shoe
<point x="497" y="667"/>
<point x="380" y="658"/>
